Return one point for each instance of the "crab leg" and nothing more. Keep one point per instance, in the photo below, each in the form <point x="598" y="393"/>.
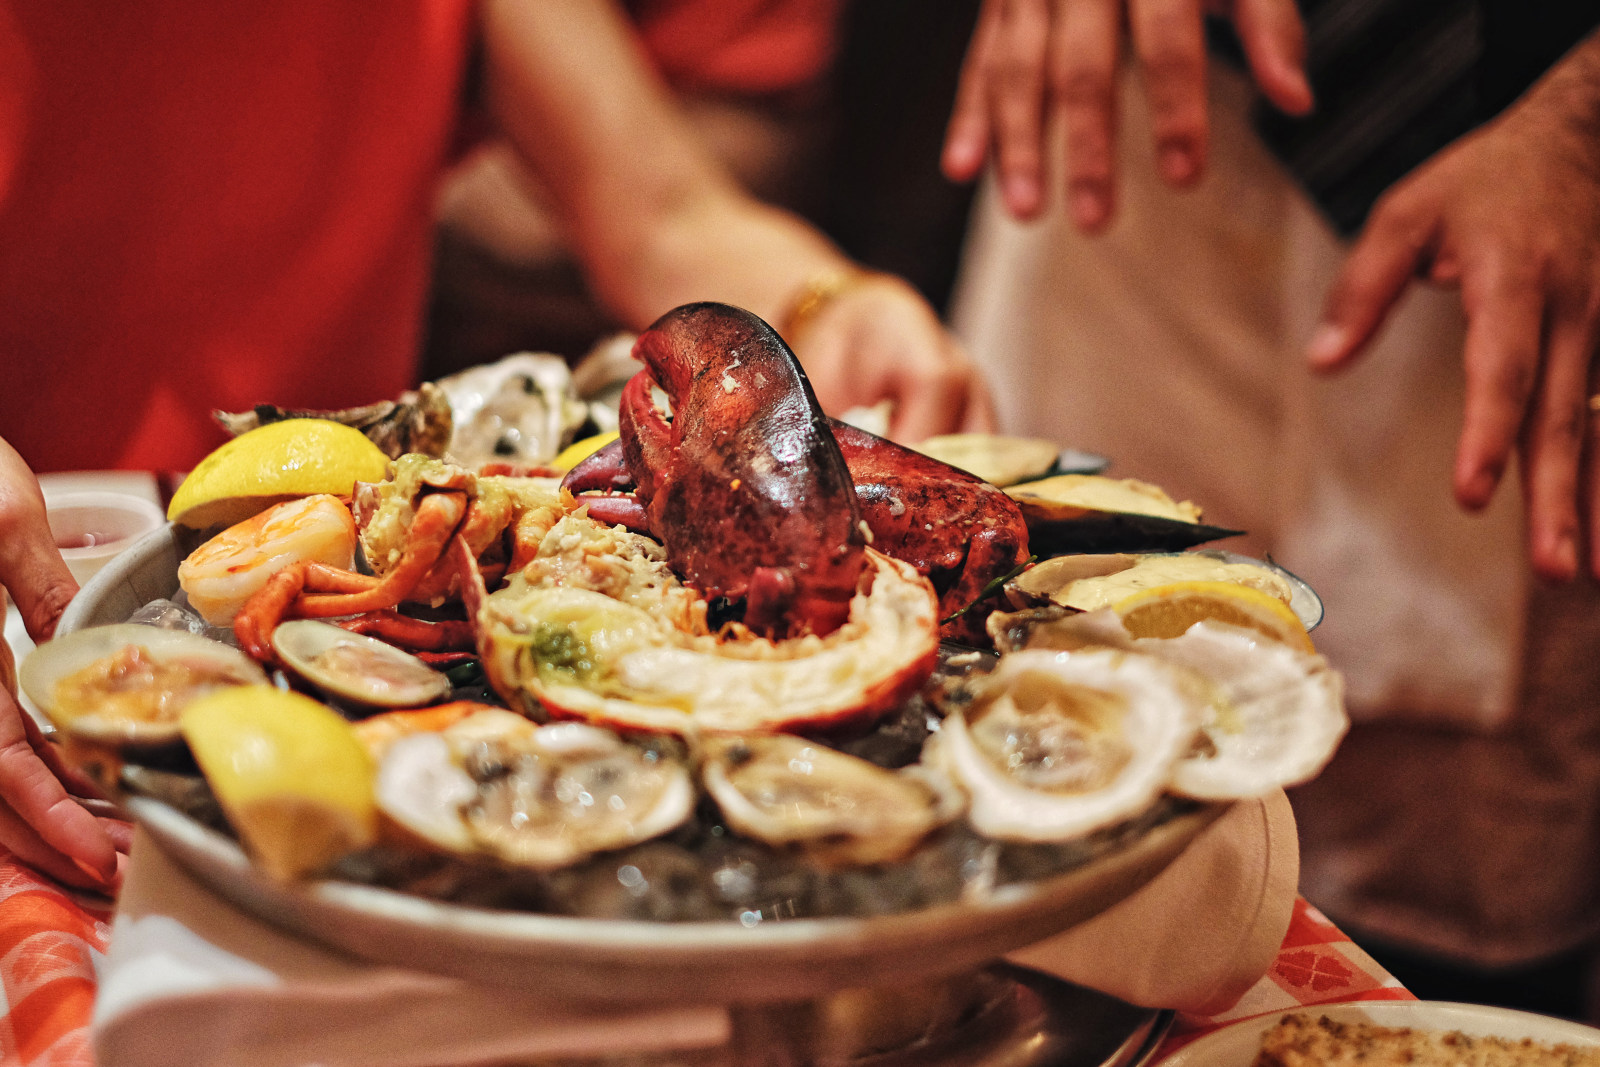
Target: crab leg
<point x="314" y="590"/>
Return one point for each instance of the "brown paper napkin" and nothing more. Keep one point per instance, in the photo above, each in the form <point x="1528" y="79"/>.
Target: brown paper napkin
<point x="191" y="979"/>
<point x="1203" y="931"/>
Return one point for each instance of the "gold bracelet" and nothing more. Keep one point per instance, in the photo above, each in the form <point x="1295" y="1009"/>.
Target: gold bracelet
<point x="820" y="290"/>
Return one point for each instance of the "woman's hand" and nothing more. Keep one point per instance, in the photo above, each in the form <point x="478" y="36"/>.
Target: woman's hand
<point x="45" y="819"/>
<point x="1511" y="215"/>
<point x="877" y="340"/>
<point x="1032" y="61"/>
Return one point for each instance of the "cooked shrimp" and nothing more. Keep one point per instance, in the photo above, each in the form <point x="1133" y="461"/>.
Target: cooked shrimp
<point x="221" y="574"/>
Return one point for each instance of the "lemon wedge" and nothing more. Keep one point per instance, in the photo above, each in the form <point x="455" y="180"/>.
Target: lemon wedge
<point x="274" y="463"/>
<point x="289" y="772"/>
<point x="578" y="451"/>
<point x="1169" y="611"/>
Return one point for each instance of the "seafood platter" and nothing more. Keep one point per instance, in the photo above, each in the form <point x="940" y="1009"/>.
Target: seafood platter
<point x="748" y="694"/>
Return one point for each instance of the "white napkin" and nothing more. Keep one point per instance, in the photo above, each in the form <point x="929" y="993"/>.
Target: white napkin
<point x="192" y="980"/>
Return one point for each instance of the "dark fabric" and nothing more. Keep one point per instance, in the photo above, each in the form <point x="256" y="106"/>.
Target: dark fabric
<point x="1398" y="80"/>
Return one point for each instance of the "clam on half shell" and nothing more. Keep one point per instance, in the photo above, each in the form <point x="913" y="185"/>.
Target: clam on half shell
<point x="124" y="685"/>
<point x="541" y="797"/>
<point x="1055" y="745"/>
<point x="839" y="808"/>
<point x="355" y="667"/>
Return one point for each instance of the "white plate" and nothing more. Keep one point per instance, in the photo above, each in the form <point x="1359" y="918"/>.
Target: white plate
<point x="1237" y="1045"/>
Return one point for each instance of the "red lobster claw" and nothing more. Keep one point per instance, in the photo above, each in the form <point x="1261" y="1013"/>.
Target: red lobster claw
<point x="743" y="482"/>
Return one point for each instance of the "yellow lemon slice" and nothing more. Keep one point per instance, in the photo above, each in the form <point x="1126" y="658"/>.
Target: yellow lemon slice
<point x="579" y="451"/>
<point x="1169" y="610"/>
<point x="289" y="772"/>
<point x="273" y="463"/>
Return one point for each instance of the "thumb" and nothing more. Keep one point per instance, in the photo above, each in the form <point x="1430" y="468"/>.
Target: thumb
<point x="31" y="567"/>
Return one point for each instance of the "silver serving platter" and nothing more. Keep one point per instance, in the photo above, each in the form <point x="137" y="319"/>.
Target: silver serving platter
<point x="625" y="961"/>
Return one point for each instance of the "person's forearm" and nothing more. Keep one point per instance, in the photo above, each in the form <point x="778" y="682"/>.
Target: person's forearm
<point x="654" y="219"/>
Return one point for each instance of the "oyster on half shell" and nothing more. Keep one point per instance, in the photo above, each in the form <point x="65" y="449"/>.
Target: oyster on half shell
<point x="1270" y="716"/>
<point x="542" y="797"/>
<point x="1053" y="745"/>
<point x="1272" y="719"/>
<point x="839" y="808"/>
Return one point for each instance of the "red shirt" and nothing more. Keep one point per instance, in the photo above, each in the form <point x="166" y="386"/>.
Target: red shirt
<point x="210" y="205"/>
<point x="739" y="46"/>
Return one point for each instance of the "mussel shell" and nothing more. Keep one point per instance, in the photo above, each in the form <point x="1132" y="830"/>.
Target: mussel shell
<point x="357" y="668"/>
<point x="1061" y="521"/>
<point x="55" y="660"/>
<point x="1117" y="531"/>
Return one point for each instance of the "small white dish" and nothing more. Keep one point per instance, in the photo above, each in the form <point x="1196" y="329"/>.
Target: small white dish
<point x="91" y="527"/>
<point x="1236" y="1045"/>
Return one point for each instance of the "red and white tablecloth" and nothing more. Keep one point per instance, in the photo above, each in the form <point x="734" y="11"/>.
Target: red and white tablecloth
<point x="52" y="940"/>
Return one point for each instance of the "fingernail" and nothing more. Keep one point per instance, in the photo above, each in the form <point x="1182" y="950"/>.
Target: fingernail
<point x="1021" y="193"/>
<point x="1566" y="555"/>
<point x="1177" y="164"/>
<point x="1302" y="89"/>
<point x="1088" y="209"/>
<point x="1327" y="345"/>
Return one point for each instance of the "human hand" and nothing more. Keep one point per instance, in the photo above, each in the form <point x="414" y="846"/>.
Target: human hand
<point x="1511" y="215"/>
<point x="45" y="806"/>
<point x="1033" y="60"/>
<point x="873" y="338"/>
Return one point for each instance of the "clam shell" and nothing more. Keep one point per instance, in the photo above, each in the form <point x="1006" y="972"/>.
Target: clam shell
<point x="357" y="668"/>
<point x="146" y="721"/>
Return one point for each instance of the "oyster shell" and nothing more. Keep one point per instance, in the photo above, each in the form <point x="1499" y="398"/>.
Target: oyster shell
<point x="418" y="421"/>
<point x="356" y="668"/>
<point x="1270" y="716"/>
<point x="533" y="796"/>
<point x="124" y="685"/>
<point x="520" y="410"/>
<point x="997" y="459"/>
<point x="840" y="809"/>
<point x="1092" y="513"/>
<point x="1273" y="716"/>
<point x="1054" y="745"/>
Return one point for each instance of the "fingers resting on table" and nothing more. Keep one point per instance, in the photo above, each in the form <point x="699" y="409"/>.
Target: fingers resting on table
<point x="1033" y="62"/>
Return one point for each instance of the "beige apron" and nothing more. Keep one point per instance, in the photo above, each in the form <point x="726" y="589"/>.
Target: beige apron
<point x="1173" y="343"/>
